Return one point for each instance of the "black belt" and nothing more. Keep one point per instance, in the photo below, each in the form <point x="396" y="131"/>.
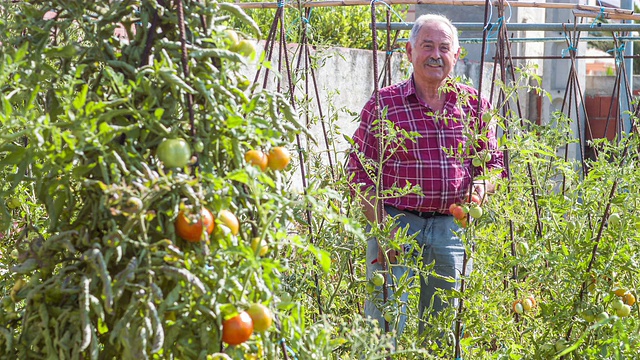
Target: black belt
<point x="426" y="214"/>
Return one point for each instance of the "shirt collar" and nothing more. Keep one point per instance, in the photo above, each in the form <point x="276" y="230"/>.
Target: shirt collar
<point x="410" y="87"/>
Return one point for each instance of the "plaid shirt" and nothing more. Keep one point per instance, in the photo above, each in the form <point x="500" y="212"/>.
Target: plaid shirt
<point x="443" y="175"/>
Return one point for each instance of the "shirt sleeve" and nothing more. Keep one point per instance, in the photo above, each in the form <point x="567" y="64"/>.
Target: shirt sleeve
<point x="364" y="149"/>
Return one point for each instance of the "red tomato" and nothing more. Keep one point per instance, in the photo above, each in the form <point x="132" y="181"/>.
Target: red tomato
<point x="191" y="230"/>
<point x="238" y="329"/>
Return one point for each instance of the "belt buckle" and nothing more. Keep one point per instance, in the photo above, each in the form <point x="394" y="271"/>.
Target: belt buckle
<point x="426" y="214"/>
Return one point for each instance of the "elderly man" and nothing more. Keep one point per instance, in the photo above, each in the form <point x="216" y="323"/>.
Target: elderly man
<point x="442" y="112"/>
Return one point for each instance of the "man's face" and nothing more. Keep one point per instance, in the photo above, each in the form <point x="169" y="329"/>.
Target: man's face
<point x="433" y="55"/>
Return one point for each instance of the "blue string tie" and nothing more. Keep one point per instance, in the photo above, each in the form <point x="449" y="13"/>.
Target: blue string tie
<point x="600" y="18"/>
<point x="494" y="33"/>
<point x="289" y="349"/>
<point x="280" y="3"/>
<point x="567" y="50"/>
<point x="391" y="9"/>
<point x="618" y="53"/>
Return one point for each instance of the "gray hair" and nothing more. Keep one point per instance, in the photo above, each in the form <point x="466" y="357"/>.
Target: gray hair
<point x="431" y="18"/>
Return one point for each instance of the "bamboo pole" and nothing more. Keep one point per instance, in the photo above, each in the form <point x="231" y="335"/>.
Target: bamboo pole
<point x="611" y="16"/>
<point x="515" y="4"/>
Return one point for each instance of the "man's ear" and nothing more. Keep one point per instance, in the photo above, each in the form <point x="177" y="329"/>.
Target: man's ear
<point x="458" y="53"/>
<point x="408" y="48"/>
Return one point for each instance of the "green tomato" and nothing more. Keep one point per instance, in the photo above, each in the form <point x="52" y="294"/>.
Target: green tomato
<point x="13" y="203"/>
<point x="624" y="310"/>
<point x="370" y="287"/>
<point x="245" y="48"/>
<point x="477" y="162"/>
<point x="588" y="315"/>
<point x="174" y="153"/>
<point x="231" y="37"/>
<point x="617" y="303"/>
<point x="198" y="146"/>
<point x="475" y="212"/>
<point x="602" y="316"/>
<point x="377" y="279"/>
<point x="614" y="219"/>
<point x="388" y="316"/>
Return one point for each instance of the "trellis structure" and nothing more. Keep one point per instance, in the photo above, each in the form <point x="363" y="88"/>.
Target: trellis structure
<point x="573" y="102"/>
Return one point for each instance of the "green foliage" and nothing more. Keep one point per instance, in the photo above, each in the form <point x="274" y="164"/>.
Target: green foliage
<point x="91" y="265"/>
<point x="345" y="26"/>
<point x="94" y="266"/>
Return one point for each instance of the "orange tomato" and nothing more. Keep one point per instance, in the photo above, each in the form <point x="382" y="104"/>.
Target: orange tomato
<point x="192" y="230"/>
<point x="458" y="212"/>
<point x="261" y="315"/>
<point x="476" y="199"/>
<point x="629" y="299"/>
<point x="452" y="207"/>
<point x="237" y="329"/>
<point x="257" y="158"/>
<point x="229" y="220"/>
<point x="278" y="158"/>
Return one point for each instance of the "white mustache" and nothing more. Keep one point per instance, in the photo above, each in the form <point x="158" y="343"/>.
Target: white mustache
<point x="436" y="62"/>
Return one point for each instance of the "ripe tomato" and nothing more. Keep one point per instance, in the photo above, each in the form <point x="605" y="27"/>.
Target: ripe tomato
<point x="619" y="290"/>
<point x="278" y="158"/>
<point x="476" y="199"/>
<point x="629" y="299"/>
<point x="192" y="230"/>
<point x="229" y="220"/>
<point x="261" y="316"/>
<point x="259" y="247"/>
<point x="452" y="207"/>
<point x="257" y="158"/>
<point x="458" y="212"/>
<point x="174" y="153"/>
<point x="237" y="329"/>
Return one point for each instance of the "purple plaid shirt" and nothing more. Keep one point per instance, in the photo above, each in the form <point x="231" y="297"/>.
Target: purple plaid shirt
<point x="443" y="176"/>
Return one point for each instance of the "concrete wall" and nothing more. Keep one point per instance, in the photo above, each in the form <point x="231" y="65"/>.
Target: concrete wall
<point x="603" y="85"/>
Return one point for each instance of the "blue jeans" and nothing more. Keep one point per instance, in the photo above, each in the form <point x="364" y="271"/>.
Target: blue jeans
<point x="438" y="243"/>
